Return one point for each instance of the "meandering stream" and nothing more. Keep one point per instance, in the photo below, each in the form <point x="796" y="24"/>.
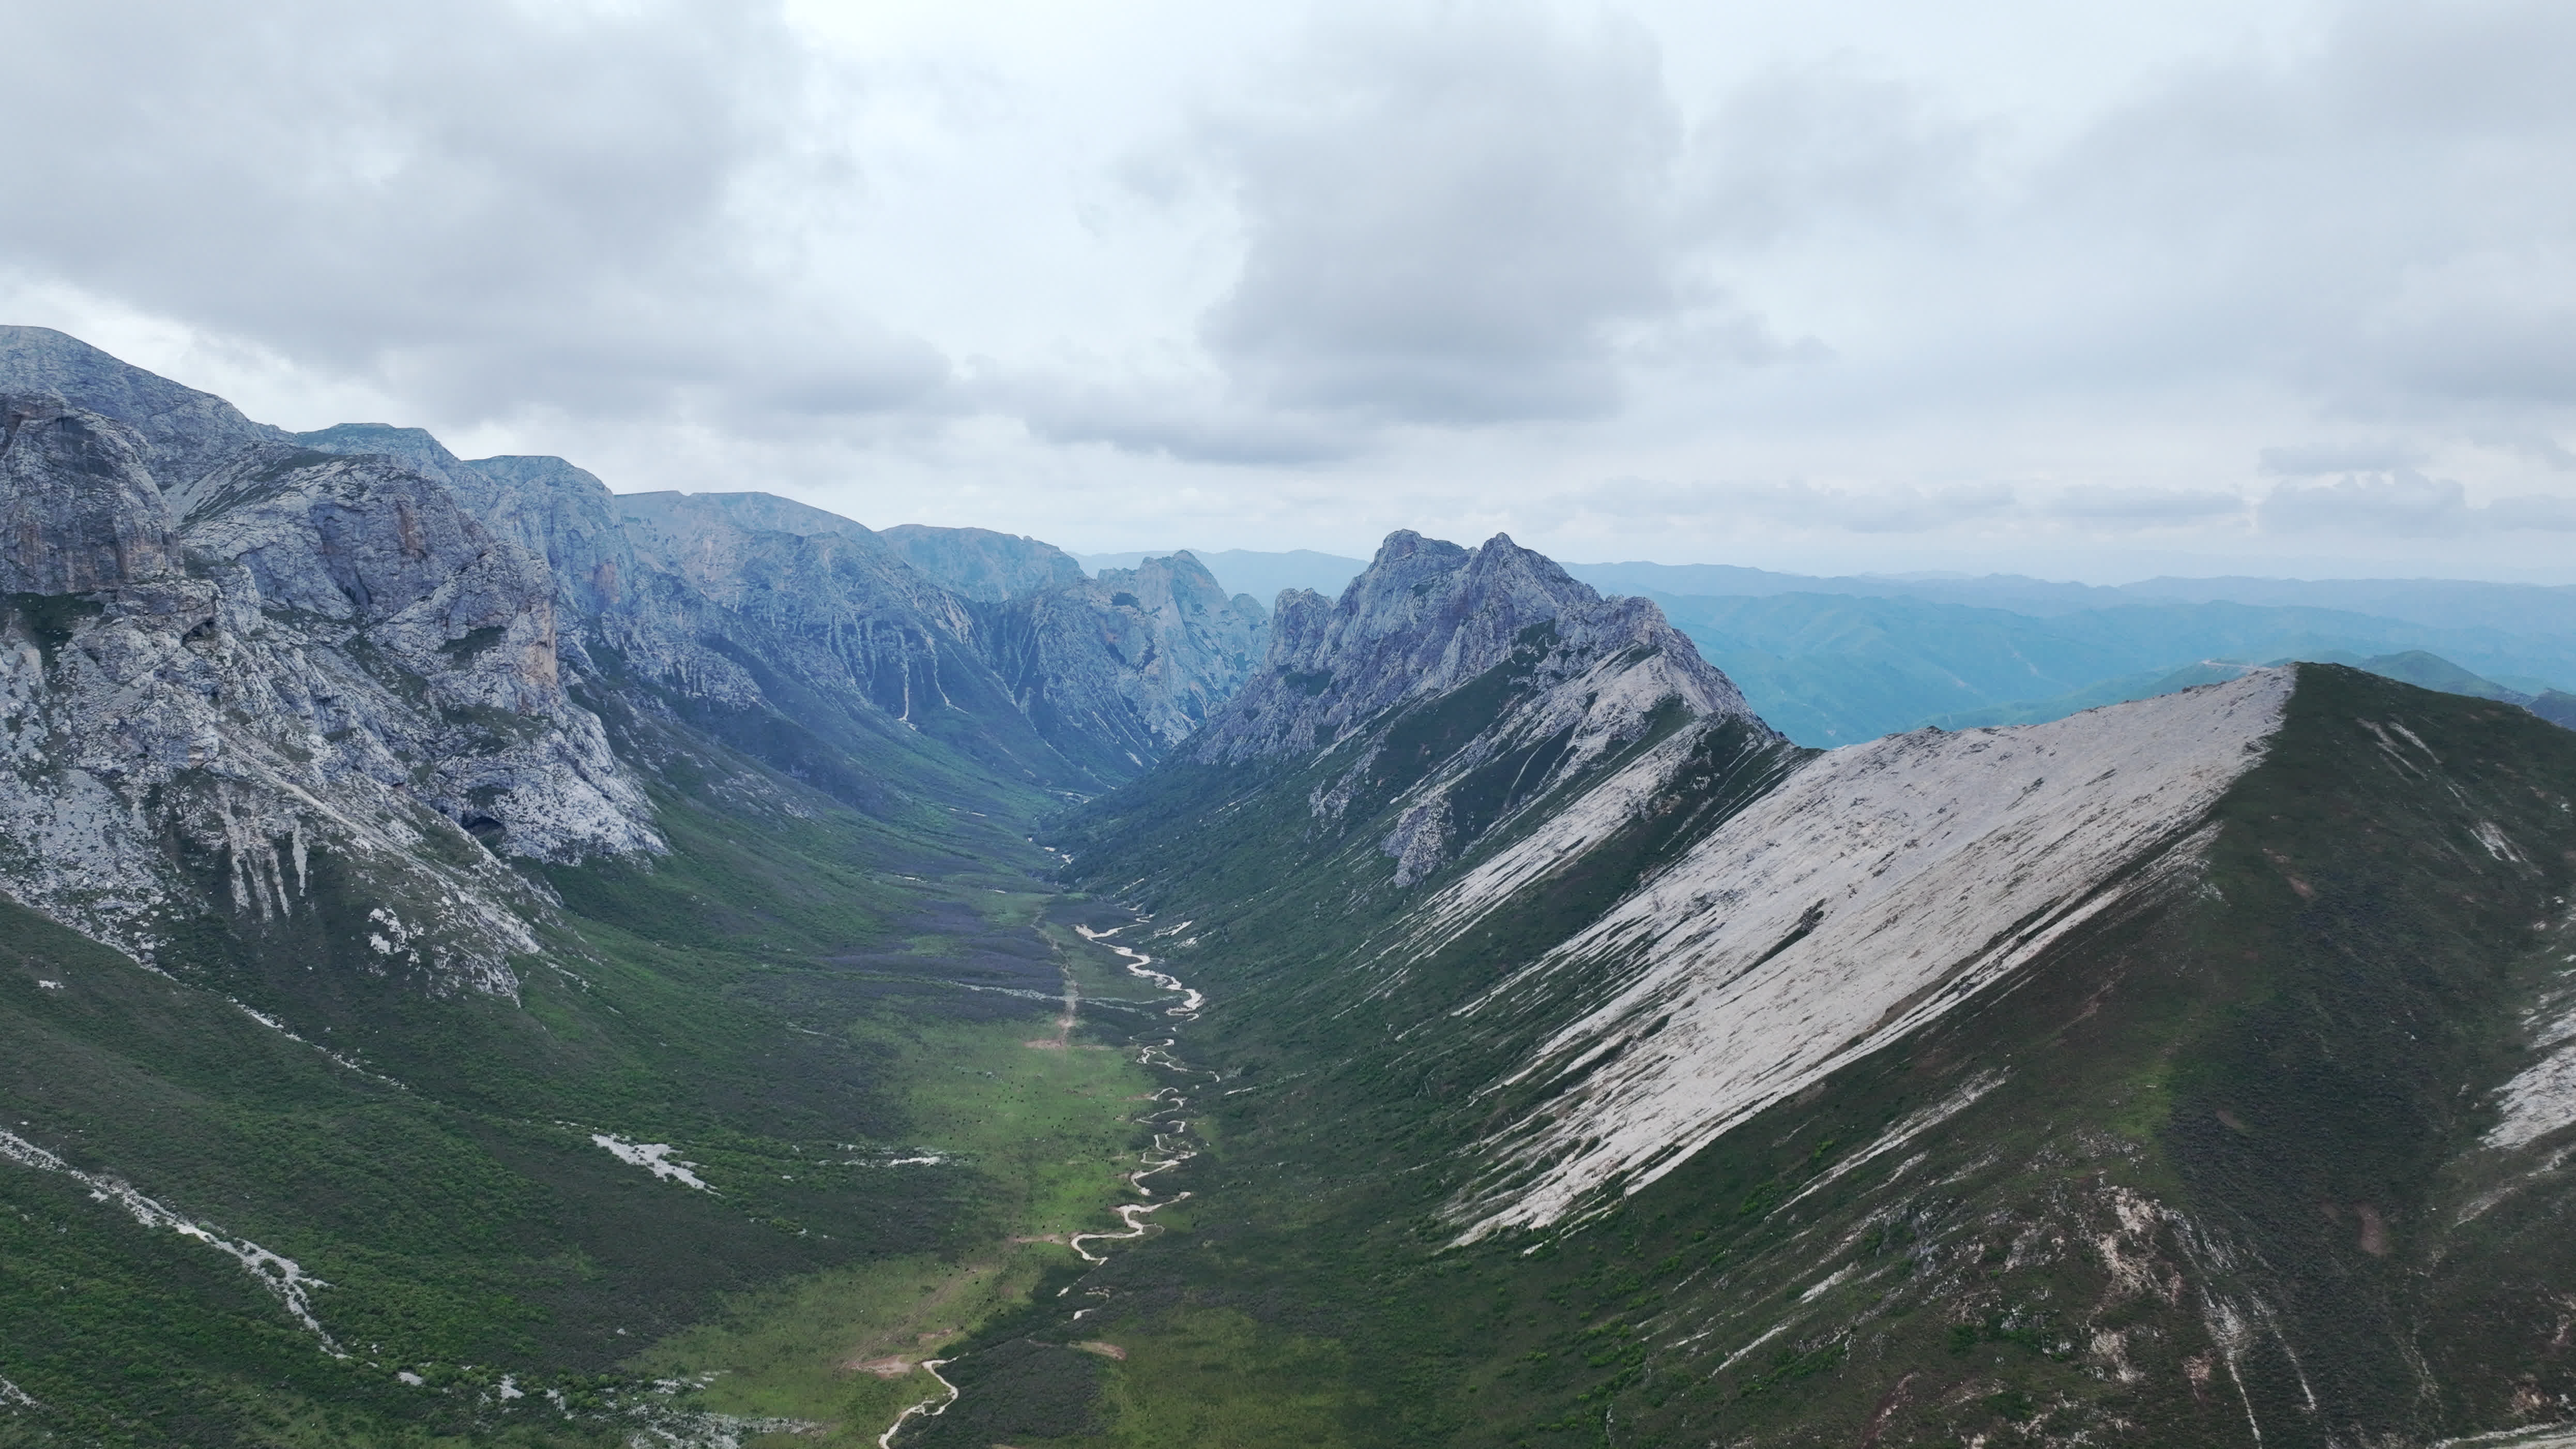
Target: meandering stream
<point x="1168" y="1150"/>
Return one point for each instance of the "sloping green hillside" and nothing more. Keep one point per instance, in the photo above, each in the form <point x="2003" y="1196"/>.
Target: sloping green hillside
<point x="770" y="1002"/>
<point x="2208" y="1166"/>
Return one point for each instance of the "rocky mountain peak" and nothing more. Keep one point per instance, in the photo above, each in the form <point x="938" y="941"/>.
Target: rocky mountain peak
<point x="185" y="432"/>
<point x="1453" y="686"/>
<point x="1133" y="661"/>
<point x="1426" y="617"/>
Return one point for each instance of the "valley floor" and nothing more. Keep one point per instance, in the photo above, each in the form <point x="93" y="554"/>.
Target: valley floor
<point x="1063" y="1124"/>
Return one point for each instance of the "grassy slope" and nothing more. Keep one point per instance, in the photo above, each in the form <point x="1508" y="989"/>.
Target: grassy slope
<point x="2262" y="1097"/>
<point x="788" y="999"/>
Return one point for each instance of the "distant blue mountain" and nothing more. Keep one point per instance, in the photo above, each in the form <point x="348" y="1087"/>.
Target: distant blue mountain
<point x="1834" y="661"/>
<point x="1835" y="669"/>
<point x="2441" y="603"/>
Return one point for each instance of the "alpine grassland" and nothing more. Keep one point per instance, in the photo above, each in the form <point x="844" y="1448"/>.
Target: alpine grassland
<point x="2211" y="1167"/>
<point x="793" y="1098"/>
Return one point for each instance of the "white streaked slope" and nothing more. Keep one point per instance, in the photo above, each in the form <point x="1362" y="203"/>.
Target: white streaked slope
<point x="1924" y="867"/>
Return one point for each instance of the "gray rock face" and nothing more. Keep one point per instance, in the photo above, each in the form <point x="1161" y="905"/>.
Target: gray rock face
<point x="77" y="507"/>
<point x="985" y="566"/>
<point x="185" y="432"/>
<point x="567" y="517"/>
<point x="344" y="675"/>
<point x="1427" y="617"/>
<point x="1460" y="685"/>
<point x="837" y="611"/>
<point x="749" y="512"/>
<point x="348" y="694"/>
<point x="1132" y="662"/>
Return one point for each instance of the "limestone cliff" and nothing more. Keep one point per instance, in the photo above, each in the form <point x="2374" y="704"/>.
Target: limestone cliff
<point x="273" y="673"/>
<point x="1131" y="663"/>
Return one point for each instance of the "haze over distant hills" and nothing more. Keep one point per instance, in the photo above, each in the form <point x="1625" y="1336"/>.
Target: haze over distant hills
<point x="1836" y="660"/>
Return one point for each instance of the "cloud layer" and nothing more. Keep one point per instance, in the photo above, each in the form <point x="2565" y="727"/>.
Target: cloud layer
<point x="1664" y="279"/>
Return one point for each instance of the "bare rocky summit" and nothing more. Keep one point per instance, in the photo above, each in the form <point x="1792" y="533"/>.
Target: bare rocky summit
<point x="1465" y="684"/>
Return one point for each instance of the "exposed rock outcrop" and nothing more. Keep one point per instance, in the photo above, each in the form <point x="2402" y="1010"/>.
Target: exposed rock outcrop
<point x="1131" y="663"/>
<point x="77" y="507"/>
<point x="349" y="692"/>
<point x="985" y="566"/>
<point x="1463" y="684"/>
<point x="185" y="432"/>
<point x="1426" y="617"/>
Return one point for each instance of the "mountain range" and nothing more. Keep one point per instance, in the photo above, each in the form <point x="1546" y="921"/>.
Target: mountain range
<point x="1835" y="661"/>
<point x="494" y="960"/>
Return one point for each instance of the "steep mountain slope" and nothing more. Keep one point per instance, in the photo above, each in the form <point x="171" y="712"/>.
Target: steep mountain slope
<point x="293" y="664"/>
<point x="2414" y="666"/>
<point x="2179" y="1072"/>
<point x="1128" y="663"/>
<point x="458" y="936"/>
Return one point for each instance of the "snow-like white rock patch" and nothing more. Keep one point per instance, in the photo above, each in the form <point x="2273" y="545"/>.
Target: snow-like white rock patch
<point x="653" y="1157"/>
<point x="1877" y="888"/>
<point x="278" y="1274"/>
<point x="2542" y="1097"/>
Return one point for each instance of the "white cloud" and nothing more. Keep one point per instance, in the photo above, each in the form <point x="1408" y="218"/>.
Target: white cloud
<point x="2008" y="273"/>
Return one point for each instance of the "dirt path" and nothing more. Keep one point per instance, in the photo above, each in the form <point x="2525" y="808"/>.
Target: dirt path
<point x="1063" y="1038"/>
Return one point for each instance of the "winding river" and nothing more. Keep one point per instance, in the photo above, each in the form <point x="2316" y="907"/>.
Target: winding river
<point x="1169" y="1150"/>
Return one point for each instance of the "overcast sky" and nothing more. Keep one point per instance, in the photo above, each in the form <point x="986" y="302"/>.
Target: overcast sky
<point x="2078" y="289"/>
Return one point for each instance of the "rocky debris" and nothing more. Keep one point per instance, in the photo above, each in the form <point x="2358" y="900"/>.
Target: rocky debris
<point x="988" y="567"/>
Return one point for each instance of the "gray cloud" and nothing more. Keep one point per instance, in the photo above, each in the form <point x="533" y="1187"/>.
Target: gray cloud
<point x="2407" y="504"/>
<point x="2146" y="507"/>
<point x="662" y="227"/>
<point x="1447" y="213"/>
<point x="1795" y="504"/>
<point x="1806" y="147"/>
<point x="2398" y="502"/>
<point x="1196" y="419"/>
<point x="481" y="205"/>
<point x="2387" y="223"/>
<point x="2319" y="459"/>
